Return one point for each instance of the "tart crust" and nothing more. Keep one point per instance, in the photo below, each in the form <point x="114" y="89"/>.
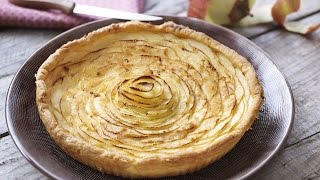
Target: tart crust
<point x="144" y="162"/>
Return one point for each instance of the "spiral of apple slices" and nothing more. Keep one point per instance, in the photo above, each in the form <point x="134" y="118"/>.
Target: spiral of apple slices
<point x="139" y="94"/>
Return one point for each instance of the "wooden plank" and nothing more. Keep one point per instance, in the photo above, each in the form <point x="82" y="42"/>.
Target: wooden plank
<point x="4" y="84"/>
<point x="300" y="161"/>
<point x="298" y="58"/>
<point x="16" y="45"/>
<point x="13" y="165"/>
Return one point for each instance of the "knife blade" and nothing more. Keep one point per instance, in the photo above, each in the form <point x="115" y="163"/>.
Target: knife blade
<point x="111" y="13"/>
<point x="68" y="6"/>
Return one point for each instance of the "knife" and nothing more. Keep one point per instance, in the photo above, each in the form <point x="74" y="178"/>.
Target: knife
<point x="69" y="7"/>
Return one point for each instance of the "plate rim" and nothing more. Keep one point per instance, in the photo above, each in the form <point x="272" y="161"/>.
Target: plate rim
<point x="251" y="172"/>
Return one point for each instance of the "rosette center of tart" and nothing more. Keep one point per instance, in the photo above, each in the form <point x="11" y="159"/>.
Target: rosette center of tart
<point x="143" y="84"/>
<point x="149" y="101"/>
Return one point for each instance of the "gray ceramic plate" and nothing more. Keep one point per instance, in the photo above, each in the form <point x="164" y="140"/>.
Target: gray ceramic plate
<point x="268" y="133"/>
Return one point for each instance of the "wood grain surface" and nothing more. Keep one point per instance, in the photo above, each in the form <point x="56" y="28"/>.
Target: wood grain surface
<point x="297" y="56"/>
<point x="16" y="45"/>
<point x="13" y="165"/>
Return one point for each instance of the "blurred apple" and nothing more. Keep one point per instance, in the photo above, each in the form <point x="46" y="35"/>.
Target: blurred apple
<point x="220" y="11"/>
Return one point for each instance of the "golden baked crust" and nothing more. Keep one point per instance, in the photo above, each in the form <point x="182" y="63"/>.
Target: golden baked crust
<point x="141" y="100"/>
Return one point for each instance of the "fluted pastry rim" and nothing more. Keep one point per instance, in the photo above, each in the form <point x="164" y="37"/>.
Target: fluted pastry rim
<point x="181" y="163"/>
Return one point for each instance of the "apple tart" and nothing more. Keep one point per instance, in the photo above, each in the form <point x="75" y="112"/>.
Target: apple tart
<point x="140" y="100"/>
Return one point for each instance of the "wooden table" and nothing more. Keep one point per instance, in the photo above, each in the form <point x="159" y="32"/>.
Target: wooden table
<point x="298" y="57"/>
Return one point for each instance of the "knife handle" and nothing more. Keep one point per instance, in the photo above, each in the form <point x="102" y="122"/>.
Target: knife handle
<point x="65" y="6"/>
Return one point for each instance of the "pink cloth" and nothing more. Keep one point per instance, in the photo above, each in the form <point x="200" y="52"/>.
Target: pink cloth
<point x="12" y="15"/>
